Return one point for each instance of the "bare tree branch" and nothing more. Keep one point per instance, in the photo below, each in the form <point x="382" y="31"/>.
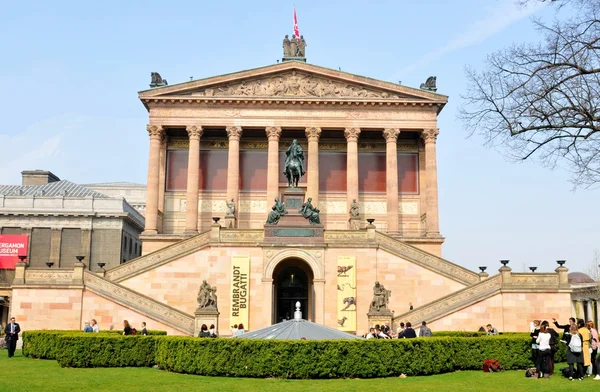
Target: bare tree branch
<point x="542" y="101"/>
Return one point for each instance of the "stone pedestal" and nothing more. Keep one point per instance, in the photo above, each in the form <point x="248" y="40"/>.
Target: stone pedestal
<point x="229" y="222"/>
<point x="206" y="316"/>
<point x="354" y="223"/>
<point x="293" y="198"/>
<point x="293" y="227"/>
<point x="380" y="317"/>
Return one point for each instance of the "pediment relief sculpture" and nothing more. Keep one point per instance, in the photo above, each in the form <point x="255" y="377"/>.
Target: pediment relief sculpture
<point x="294" y="85"/>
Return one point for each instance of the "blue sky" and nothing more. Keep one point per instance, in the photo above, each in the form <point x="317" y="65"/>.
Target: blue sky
<point x="71" y="71"/>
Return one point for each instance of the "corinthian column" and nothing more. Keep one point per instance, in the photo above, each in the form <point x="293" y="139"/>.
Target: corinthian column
<point x="391" y="177"/>
<point x="156" y="133"/>
<point x="273" y="134"/>
<point x="430" y="136"/>
<point x="233" y="164"/>
<point x="193" y="174"/>
<point x="313" y="134"/>
<point x="351" y="164"/>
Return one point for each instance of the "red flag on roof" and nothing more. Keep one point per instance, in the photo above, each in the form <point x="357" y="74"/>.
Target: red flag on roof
<point x="296" y="31"/>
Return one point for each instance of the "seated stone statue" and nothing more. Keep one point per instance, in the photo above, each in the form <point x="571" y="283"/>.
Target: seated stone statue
<point x="277" y="212"/>
<point x="230" y="211"/>
<point x="381" y="298"/>
<point x="310" y="212"/>
<point x="354" y="212"/>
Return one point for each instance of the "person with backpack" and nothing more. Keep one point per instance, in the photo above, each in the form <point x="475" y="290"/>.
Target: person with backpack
<point x="574" y="353"/>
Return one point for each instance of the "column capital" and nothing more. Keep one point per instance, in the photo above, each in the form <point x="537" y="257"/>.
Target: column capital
<point x="430" y="135"/>
<point x="155" y="131"/>
<point x="273" y="133"/>
<point x="391" y="135"/>
<point x="194" y="131"/>
<point x="352" y="134"/>
<point x="234" y="133"/>
<point x="313" y="133"/>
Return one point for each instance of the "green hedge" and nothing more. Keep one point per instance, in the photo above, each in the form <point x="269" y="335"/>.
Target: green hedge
<point x="282" y="359"/>
<point x="43" y="344"/>
<point x="95" y="350"/>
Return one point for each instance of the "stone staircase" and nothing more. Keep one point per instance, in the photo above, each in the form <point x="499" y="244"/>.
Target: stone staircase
<point x="159" y="257"/>
<point x="139" y="303"/>
<point x="453" y="302"/>
<point x="426" y="260"/>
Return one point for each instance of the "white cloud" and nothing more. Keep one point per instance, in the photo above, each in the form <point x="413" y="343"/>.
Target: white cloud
<point x="499" y="19"/>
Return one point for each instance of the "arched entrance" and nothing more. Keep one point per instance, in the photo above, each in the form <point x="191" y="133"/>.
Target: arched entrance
<point x="292" y="282"/>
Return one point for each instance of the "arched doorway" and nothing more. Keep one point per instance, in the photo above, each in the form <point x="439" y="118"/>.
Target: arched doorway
<point x="292" y="282"/>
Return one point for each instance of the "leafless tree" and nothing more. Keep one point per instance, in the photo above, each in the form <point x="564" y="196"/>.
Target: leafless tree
<point x="542" y="100"/>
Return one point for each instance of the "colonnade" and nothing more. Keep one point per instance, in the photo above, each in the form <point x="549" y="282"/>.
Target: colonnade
<point x="157" y="135"/>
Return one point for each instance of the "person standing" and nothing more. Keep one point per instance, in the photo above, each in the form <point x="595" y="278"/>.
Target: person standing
<point x="95" y="327"/>
<point x="12" y="335"/>
<point x="565" y="328"/>
<point x="126" y="328"/>
<point x="144" y="330"/>
<point x="586" y="338"/>
<point x="574" y="353"/>
<point x="543" y="341"/>
<point x="553" y="348"/>
<point x="425" y="331"/>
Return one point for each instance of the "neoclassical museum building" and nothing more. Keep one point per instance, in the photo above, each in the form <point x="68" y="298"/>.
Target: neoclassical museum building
<point x="370" y="247"/>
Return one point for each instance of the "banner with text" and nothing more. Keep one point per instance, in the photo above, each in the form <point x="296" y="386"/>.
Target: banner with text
<point x="240" y="290"/>
<point x="346" y="295"/>
<point x="11" y="247"/>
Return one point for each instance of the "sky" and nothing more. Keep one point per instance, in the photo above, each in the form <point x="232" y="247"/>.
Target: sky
<point x="71" y="71"/>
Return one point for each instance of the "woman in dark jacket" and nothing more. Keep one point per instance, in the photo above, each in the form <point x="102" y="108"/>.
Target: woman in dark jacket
<point x="126" y="328"/>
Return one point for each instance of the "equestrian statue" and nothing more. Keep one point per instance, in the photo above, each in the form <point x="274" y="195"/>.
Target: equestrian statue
<point x="294" y="164"/>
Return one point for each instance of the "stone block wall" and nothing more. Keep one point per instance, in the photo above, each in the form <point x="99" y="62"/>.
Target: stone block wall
<point x="47" y="308"/>
<point x="509" y="311"/>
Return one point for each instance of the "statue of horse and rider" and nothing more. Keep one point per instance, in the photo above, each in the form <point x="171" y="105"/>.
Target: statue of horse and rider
<point x="294" y="164"/>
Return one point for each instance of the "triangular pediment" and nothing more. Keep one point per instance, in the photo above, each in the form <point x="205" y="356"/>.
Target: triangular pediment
<point x="294" y="80"/>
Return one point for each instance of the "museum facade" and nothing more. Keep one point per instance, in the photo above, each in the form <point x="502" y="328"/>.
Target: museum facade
<point x="215" y="171"/>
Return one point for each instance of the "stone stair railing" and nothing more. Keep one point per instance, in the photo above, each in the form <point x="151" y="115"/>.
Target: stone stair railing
<point x="139" y="303"/>
<point x="159" y="257"/>
<point x="426" y="260"/>
<point x="452" y="302"/>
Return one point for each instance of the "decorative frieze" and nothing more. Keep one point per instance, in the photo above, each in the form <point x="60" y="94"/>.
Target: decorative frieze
<point x="241" y="235"/>
<point x="253" y="206"/>
<point x="49" y="277"/>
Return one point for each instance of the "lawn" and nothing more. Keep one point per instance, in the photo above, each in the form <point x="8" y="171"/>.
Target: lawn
<point x="25" y="374"/>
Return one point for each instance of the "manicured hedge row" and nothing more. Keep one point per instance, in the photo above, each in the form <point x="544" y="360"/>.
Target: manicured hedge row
<point x="282" y="359"/>
<point x="106" y="350"/>
<point x="44" y="344"/>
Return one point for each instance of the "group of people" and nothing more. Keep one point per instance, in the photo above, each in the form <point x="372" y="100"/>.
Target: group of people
<point x="206" y="332"/>
<point x="581" y="341"/>
<point x="404" y="331"/>
<point x="127" y="328"/>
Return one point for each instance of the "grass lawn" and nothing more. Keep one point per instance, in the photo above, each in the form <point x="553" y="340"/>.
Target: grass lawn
<point x="25" y="374"/>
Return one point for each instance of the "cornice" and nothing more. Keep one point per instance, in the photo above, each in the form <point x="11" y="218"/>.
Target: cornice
<point x="187" y="101"/>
